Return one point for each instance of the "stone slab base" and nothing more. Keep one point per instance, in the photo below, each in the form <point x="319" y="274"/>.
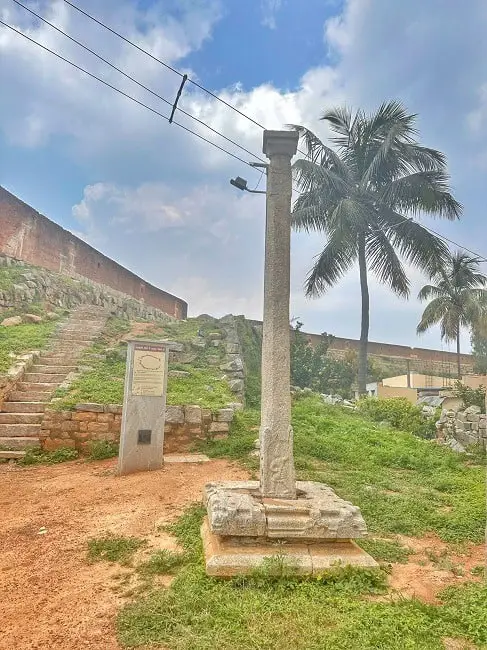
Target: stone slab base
<point x="226" y="557"/>
<point x="238" y="509"/>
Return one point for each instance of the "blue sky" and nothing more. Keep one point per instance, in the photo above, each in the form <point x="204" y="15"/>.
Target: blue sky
<point x="158" y="200"/>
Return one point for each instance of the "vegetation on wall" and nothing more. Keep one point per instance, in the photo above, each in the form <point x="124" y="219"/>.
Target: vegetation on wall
<point x="250" y="339"/>
<point x="470" y="396"/>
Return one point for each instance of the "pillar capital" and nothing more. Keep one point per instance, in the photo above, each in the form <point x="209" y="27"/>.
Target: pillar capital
<point x="280" y="143"/>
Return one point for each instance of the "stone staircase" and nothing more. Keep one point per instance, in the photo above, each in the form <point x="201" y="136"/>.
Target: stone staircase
<point x="21" y="415"/>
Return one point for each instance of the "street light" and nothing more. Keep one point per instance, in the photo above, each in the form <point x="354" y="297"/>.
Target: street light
<point x="241" y="183"/>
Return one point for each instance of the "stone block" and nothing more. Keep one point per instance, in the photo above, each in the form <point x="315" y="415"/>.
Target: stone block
<point x="198" y="342"/>
<point x="215" y="344"/>
<point x="232" y="348"/>
<point x="235" y="365"/>
<point x="226" y="557"/>
<point x="12" y="321"/>
<point x="214" y="336"/>
<point x="51" y="444"/>
<point x="192" y="414"/>
<point x="473" y="417"/>
<point x="174" y="415"/>
<point x="236" y="385"/>
<point x="475" y="426"/>
<point x="178" y="374"/>
<point x="113" y="408"/>
<point x="236" y="508"/>
<point x="97" y="427"/>
<point x="472" y="409"/>
<point x="91" y="407"/>
<point x="225" y="415"/>
<point x="219" y="427"/>
<point x="69" y="425"/>
<point x="84" y="416"/>
<point x="105" y="417"/>
<point x="206" y="415"/>
<point x="31" y="318"/>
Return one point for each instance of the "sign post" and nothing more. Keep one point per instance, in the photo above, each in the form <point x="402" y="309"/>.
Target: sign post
<point x="144" y="405"/>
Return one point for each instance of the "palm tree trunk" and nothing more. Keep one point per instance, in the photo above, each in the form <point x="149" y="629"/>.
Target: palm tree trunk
<point x="459" y="360"/>
<point x="364" y="330"/>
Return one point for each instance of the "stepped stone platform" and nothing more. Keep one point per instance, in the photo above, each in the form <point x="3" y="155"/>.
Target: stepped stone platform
<point x="312" y="532"/>
<point x="21" y="414"/>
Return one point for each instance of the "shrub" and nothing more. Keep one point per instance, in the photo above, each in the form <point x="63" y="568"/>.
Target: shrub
<point x="470" y="396"/>
<point x="399" y="413"/>
<point x="39" y="457"/>
<point x="101" y="449"/>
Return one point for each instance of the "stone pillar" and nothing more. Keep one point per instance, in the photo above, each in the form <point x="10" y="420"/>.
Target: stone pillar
<point x="277" y="477"/>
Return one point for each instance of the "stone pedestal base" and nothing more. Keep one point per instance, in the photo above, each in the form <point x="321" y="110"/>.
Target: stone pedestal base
<point x="314" y="531"/>
<point x="230" y="556"/>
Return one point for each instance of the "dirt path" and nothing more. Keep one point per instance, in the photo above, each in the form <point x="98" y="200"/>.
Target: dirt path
<point x="50" y="598"/>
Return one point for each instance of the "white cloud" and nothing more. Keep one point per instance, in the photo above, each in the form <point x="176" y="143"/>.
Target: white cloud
<point x="159" y="200"/>
<point x="270" y="8"/>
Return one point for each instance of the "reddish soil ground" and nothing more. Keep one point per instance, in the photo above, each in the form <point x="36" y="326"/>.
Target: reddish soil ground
<point x="50" y="597"/>
<point x="433" y="566"/>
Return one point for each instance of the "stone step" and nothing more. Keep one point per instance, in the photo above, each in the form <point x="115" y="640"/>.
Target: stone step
<point x="43" y="378"/>
<point x="52" y="358"/>
<point x="12" y="454"/>
<point x="10" y="444"/>
<point x="35" y="387"/>
<point x="21" y="418"/>
<point x="30" y="396"/>
<point x="78" y="340"/>
<point x="19" y="430"/>
<point x="23" y="407"/>
<point x="54" y="369"/>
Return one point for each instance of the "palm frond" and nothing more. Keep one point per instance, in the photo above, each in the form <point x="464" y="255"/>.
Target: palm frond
<point x="384" y="262"/>
<point x="433" y="314"/>
<point x="430" y="291"/>
<point x="423" y="191"/>
<point x="416" y="244"/>
<point x="331" y="264"/>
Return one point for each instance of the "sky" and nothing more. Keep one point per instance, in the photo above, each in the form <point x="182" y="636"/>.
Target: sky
<point x="158" y="199"/>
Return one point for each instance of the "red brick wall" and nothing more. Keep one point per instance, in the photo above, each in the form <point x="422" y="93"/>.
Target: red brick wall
<point x="29" y="236"/>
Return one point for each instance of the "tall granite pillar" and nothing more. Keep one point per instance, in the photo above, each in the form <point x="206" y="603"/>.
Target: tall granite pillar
<point x="276" y="437"/>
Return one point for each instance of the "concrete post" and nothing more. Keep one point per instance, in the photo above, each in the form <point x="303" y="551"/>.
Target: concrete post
<point x="277" y="477"/>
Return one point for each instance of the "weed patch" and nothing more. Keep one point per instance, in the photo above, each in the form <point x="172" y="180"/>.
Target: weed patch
<point x="101" y="449"/>
<point x="162" y="562"/>
<point x="384" y="550"/>
<point x="113" y="548"/>
<point x="39" y="457"/>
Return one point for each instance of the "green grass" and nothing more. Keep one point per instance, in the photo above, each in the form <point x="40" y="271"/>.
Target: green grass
<point x="162" y="562"/>
<point x="39" y="457"/>
<point x="19" y="339"/>
<point x="251" y="342"/>
<point x="10" y="275"/>
<point x="104" y="384"/>
<point x="403" y="484"/>
<point x="270" y="611"/>
<point x="384" y="550"/>
<point x="113" y="548"/>
<point x="102" y="449"/>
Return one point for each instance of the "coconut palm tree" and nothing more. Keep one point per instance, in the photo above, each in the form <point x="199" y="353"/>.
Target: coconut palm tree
<point x="362" y="194"/>
<point x="458" y="299"/>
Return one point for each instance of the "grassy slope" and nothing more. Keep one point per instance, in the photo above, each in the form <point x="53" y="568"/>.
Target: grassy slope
<point x="104" y="382"/>
<point x="402" y="483"/>
<point x="22" y="338"/>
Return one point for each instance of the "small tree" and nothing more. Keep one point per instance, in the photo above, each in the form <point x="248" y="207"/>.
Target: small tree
<point x="312" y="368"/>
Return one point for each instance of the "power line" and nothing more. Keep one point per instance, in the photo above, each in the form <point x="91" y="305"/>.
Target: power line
<point x="121" y="92"/>
<point x="141" y="85"/>
<point x="169" y="67"/>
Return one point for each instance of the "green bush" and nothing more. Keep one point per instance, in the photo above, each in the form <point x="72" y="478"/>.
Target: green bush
<point x="399" y="413"/>
<point x="39" y="457"/>
<point x="470" y="396"/>
<point x="101" y="449"/>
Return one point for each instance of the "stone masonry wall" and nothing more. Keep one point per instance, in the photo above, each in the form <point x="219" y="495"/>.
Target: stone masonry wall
<point x="184" y="426"/>
<point x="55" y="290"/>
<point x="462" y="429"/>
<point x="29" y="236"/>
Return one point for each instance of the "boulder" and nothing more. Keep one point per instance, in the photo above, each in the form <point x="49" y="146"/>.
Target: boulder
<point x="13" y="320"/>
<point x="472" y="410"/>
<point x="31" y="318"/>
